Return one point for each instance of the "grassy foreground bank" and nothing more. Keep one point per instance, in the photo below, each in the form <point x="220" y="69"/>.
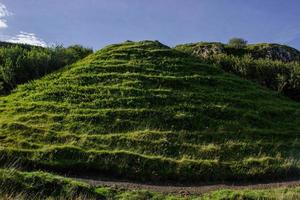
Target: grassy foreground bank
<point x="40" y="185"/>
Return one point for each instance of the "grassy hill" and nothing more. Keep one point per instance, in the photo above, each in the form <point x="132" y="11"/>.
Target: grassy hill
<point x="142" y="110"/>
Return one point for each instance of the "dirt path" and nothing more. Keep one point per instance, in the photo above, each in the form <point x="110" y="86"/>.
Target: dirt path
<point x="185" y="190"/>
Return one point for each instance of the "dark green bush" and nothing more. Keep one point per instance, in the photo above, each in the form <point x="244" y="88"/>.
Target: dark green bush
<point x="19" y="64"/>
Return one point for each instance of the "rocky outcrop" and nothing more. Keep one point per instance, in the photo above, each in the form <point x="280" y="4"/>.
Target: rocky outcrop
<point x="262" y="50"/>
<point x="208" y="50"/>
<point x="274" y="52"/>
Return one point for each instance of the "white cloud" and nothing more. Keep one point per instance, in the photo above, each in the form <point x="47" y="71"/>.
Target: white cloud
<point x="3" y="23"/>
<point x="3" y="14"/>
<point x="22" y="37"/>
<point x="27" y="38"/>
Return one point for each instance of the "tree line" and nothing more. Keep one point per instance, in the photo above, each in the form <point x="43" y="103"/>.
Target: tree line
<point x="22" y="63"/>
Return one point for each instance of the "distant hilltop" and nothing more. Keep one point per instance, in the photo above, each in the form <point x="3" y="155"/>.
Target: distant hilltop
<point x="261" y="50"/>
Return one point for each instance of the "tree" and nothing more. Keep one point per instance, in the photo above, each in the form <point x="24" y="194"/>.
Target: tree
<point x="8" y="73"/>
<point x="1" y="87"/>
<point x="237" y="43"/>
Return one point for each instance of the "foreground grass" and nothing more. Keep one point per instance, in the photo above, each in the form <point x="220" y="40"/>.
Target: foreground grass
<point x="40" y="185"/>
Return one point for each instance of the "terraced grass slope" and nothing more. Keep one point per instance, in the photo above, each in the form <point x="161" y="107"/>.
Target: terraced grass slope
<point x="144" y="111"/>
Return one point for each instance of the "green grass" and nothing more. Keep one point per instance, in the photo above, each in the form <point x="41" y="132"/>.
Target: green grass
<point x="265" y="194"/>
<point x="39" y="185"/>
<point x="144" y="111"/>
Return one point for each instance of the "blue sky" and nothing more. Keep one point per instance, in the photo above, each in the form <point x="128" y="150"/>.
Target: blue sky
<point x="96" y="23"/>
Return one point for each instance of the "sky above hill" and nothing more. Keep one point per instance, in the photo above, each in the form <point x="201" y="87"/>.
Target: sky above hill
<point x="96" y="23"/>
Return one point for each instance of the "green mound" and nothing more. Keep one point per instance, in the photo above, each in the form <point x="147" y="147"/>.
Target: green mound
<point x="144" y="111"/>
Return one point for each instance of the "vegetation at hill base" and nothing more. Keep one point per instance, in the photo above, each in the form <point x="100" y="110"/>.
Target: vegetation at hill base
<point x="274" y="66"/>
<point x="144" y="111"/>
<point x="22" y="63"/>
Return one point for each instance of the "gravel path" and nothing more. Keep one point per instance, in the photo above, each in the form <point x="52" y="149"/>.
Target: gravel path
<point x="185" y="190"/>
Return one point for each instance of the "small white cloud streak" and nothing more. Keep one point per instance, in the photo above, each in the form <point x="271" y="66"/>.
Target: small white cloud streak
<point x="3" y="14"/>
<point x="27" y="38"/>
<point x="4" y="11"/>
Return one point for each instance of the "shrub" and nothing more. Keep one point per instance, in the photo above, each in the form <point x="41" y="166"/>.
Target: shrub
<point x="237" y="43"/>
